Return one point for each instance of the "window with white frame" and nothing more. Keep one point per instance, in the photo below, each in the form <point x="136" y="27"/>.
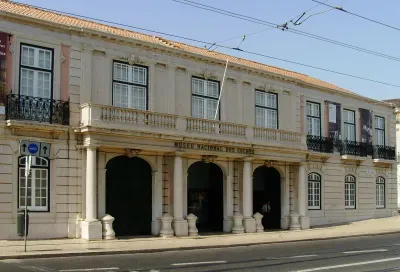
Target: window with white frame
<point x="314" y="118"/>
<point x="130" y="86"/>
<point x="38" y="184"/>
<point x="379" y="130"/>
<point x="266" y="109"/>
<point x="350" y="192"/>
<point x="205" y="94"/>
<point x="314" y="191"/>
<point x="36" y="71"/>
<point x="349" y="125"/>
<point x="380" y="192"/>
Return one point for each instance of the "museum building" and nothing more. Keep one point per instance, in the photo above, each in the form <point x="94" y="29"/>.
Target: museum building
<point x="148" y="136"/>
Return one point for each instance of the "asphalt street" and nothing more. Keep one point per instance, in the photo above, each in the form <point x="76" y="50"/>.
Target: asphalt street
<point x="371" y="254"/>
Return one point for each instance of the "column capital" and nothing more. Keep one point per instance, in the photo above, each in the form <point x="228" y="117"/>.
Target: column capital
<point x="178" y="154"/>
<point x="248" y="159"/>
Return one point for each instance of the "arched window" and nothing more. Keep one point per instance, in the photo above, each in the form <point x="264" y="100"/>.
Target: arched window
<point x="380" y="192"/>
<point x="38" y="184"/>
<point x="350" y="192"/>
<point x="314" y="191"/>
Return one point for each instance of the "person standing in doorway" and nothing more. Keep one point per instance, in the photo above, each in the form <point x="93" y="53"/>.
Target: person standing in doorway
<point x="266" y="211"/>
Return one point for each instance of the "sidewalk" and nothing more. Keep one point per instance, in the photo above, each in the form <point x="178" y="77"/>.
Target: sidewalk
<point x="77" y="247"/>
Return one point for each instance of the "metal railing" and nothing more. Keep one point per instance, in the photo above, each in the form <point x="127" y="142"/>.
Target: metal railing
<point x="23" y="107"/>
<point x="384" y="152"/>
<point x="320" y="144"/>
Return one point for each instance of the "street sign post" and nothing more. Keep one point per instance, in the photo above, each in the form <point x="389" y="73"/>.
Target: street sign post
<point x="28" y="163"/>
<point x="29" y="149"/>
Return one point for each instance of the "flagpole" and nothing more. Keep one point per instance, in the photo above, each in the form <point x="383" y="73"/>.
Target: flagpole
<point x="220" y="92"/>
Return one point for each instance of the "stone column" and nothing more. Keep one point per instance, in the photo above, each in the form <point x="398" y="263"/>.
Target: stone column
<point x="179" y="224"/>
<point x="302" y="193"/>
<point x="91" y="226"/>
<point x="285" y="218"/>
<point x="249" y="222"/>
<point x="228" y="199"/>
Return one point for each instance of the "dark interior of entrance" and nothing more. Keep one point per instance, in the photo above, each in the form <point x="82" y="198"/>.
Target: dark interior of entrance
<point x="267" y="187"/>
<point x="205" y="196"/>
<point x="129" y="195"/>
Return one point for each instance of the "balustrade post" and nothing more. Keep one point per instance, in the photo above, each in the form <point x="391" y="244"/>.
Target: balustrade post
<point x="181" y="124"/>
<point x="249" y="133"/>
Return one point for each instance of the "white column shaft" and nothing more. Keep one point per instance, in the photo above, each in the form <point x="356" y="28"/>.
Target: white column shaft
<point x="302" y="190"/>
<point x="247" y="190"/>
<point x="178" y="188"/>
<point x="91" y="182"/>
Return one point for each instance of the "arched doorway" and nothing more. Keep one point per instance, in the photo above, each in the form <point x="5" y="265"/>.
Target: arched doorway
<point x="205" y="195"/>
<point x="267" y="187"/>
<point x="129" y="195"/>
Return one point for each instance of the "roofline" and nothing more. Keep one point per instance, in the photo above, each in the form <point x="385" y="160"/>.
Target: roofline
<point x="80" y="31"/>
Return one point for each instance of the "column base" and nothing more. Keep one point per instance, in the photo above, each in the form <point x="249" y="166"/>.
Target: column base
<point x="92" y="230"/>
<point x="237" y="227"/>
<point x="180" y="227"/>
<point x="228" y="224"/>
<point x="304" y="222"/>
<point x="285" y="222"/>
<point x="294" y="221"/>
<point x="249" y="224"/>
<point x="156" y="227"/>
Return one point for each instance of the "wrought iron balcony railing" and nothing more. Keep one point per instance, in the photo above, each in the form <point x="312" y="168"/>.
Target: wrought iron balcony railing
<point x="354" y="148"/>
<point x="384" y="152"/>
<point x="320" y="144"/>
<point x="23" y="107"/>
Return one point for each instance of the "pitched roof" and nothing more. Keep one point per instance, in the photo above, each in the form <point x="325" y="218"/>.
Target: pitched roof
<point x="65" y="20"/>
<point x="393" y="101"/>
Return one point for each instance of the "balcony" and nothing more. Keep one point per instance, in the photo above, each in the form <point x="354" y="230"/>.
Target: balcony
<point x="350" y="148"/>
<point x="381" y="152"/>
<point x="354" y="148"/>
<point x="43" y="110"/>
<point x="320" y="144"/>
<point x="112" y="119"/>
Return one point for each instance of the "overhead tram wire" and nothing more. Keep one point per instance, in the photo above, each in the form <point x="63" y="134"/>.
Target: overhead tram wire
<point x="222" y="46"/>
<point x="276" y="26"/>
<point x="357" y="15"/>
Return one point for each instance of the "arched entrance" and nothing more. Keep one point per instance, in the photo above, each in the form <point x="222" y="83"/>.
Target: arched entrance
<point x="267" y="187"/>
<point x="205" y="195"/>
<point x="129" y="195"/>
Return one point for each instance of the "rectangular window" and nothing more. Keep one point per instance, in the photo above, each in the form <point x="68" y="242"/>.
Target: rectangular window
<point x="380" y="130"/>
<point x="314" y="118"/>
<point x="205" y="94"/>
<point x="36" y="71"/>
<point x="266" y="110"/>
<point x="37" y="184"/>
<point x="130" y="86"/>
<point x="349" y="125"/>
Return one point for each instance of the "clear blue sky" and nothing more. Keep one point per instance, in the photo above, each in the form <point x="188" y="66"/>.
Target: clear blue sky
<point x="172" y="17"/>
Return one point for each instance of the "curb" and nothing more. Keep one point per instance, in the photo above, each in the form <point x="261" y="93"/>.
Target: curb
<point x="35" y="255"/>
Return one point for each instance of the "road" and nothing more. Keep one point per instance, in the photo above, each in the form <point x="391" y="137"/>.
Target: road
<point x="372" y="254"/>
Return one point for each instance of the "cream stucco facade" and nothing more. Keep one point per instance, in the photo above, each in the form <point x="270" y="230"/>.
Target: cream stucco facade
<point x="167" y="136"/>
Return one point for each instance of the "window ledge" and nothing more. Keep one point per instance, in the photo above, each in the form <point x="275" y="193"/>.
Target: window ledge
<point x="384" y="161"/>
<point x="55" y="129"/>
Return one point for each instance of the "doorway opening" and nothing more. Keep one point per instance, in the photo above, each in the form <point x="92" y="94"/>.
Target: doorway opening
<point x="205" y="196"/>
<point x="129" y="195"/>
<point x="267" y="194"/>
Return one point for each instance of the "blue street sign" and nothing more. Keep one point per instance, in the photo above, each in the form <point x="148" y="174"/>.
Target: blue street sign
<point x="33" y="148"/>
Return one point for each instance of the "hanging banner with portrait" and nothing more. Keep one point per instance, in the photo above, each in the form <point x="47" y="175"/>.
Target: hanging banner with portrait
<point x="334" y="119"/>
<point x="366" y="125"/>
